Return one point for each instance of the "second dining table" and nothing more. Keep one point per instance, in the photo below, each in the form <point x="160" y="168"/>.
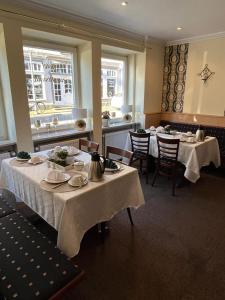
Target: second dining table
<point x="193" y="155"/>
<point x="72" y="213"/>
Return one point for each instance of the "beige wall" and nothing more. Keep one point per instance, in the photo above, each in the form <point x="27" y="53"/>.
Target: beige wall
<point x="154" y="77"/>
<point x="208" y="98"/>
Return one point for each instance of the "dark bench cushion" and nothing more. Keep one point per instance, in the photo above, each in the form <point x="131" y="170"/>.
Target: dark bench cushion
<point x="31" y="266"/>
<point x="5" y="207"/>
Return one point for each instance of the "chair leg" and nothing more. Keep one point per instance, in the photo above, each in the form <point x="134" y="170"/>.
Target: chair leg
<point x="154" y="178"/>
<point x="174" y="183"/>
<point x="141" y="166"/>
<point x="130" y="216"/>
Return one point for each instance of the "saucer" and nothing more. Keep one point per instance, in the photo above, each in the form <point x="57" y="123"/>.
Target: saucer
<point x="66" y="178"/>
<point x="83" y="184"/>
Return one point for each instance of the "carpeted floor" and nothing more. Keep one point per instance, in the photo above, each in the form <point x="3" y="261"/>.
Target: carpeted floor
<point x="176" y="250"/>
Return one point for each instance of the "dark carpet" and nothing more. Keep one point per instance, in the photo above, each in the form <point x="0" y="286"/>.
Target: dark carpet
<point x="175" y="250"/>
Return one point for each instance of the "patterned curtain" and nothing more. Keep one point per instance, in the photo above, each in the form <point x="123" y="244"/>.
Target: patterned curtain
<point x="175" y="65"/>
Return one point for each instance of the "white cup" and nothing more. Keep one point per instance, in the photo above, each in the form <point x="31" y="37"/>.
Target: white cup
<point x="35" y="160"/>
<point x="77" y="180"/>
<point x="189" y="133"/>
<point x="55" y="175"/>
<point x="78" y="165"/>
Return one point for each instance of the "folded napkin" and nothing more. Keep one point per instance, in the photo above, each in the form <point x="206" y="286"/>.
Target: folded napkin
<point x="152" y="128"/>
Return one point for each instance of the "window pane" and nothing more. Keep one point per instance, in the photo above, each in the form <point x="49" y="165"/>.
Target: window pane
<point x="113" y="85"/>
<point x="50" y="89"/>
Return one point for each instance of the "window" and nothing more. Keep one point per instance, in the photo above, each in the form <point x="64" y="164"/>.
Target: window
<point x="57" y="89"/>
<point x="50" y="84"/>
<point x="68" y="86"/>
<point x="113" y="84"/>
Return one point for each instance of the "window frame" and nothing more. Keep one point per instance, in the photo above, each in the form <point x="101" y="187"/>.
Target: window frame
<point x="59" y="47"/>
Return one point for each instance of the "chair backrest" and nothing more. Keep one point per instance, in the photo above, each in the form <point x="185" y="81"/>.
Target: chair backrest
<point x="88" y="146"/>
<point x="140" y="142"/>
<point x="168" y="148"/>
<point x="128" y="155"/>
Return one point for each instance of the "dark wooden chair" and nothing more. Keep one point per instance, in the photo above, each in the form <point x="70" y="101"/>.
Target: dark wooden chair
<point x="121" y="154"/>
<point x="167" y="163"/>
<point x="140" y="143"/>
<point x="88" y="146"/>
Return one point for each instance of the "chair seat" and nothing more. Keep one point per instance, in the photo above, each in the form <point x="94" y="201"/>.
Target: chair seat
<point x="140" y="155"/>
<point x="166" y="162"/>
<point x="32" y="267"/>
<point x="5" y="207"/>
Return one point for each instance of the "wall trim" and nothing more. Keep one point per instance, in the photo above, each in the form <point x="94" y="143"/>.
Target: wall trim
<point x="33" y="13"/>
<point x="199" y="119"/>
<point x="196" y="39"/>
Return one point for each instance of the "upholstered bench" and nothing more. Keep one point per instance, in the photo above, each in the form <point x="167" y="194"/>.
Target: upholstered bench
<point x="31" y="266"/>
<point x="218" y="132"/>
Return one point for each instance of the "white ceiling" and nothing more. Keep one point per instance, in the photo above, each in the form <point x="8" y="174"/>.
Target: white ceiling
<point x="155" y="18"/>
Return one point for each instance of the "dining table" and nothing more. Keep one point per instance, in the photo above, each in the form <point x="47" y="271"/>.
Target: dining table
<point x="192" y="154"/>
<point x="72" y="212"/>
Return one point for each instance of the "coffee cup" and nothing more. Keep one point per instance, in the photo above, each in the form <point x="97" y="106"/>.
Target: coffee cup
<point x="55" y="175"/>
<point x="78" y="165"/>
<point x="77" y="180"/>
<point x="189" y="133"/>
<point x="35" y="160"/>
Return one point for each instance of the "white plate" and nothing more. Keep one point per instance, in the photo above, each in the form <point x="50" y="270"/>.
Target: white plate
<point x="84" y="183"/>
<point x="113" y="170"/>
<point x="67" y="177"/>
<point x="22" y="159"/>
<point x="74" y="153"/>
<point x="37" y="163"/>
<point x="73" y="150"/>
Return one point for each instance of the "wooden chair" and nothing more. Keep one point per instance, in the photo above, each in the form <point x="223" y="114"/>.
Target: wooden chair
<point x="88" y="146"/>
<point x="140" y="143"/>
<point x="128" y="155"/>
<point x="167" y="159"/>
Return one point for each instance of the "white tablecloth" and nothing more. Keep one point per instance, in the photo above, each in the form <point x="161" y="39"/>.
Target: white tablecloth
<point x="193" y="156"/>
<point x="73" y="213"/>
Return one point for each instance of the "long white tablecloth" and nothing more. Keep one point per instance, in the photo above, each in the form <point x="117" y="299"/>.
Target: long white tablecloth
<point x="73" y="213"/>
<point x="193" y="156"/>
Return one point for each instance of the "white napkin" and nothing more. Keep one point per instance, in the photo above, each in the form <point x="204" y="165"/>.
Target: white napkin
<point x="152" y="128"/>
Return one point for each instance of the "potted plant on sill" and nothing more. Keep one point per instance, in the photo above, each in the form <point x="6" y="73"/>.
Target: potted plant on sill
<point x="105" y="118"/>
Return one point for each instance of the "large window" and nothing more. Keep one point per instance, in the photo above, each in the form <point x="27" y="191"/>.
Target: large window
<point x="113" y="83"/>
<point x="50" y="85"/>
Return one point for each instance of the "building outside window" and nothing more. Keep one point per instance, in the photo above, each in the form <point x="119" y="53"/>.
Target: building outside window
<point x="113" y="73"/>
<point x="50" y="84"/>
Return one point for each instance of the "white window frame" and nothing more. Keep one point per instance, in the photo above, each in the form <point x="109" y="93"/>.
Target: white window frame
<point x="70" y="49"/>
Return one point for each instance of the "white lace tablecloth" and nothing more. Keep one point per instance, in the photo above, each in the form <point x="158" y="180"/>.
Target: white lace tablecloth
<point x="73" y="213"/>
<point x="193" y="156"/>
